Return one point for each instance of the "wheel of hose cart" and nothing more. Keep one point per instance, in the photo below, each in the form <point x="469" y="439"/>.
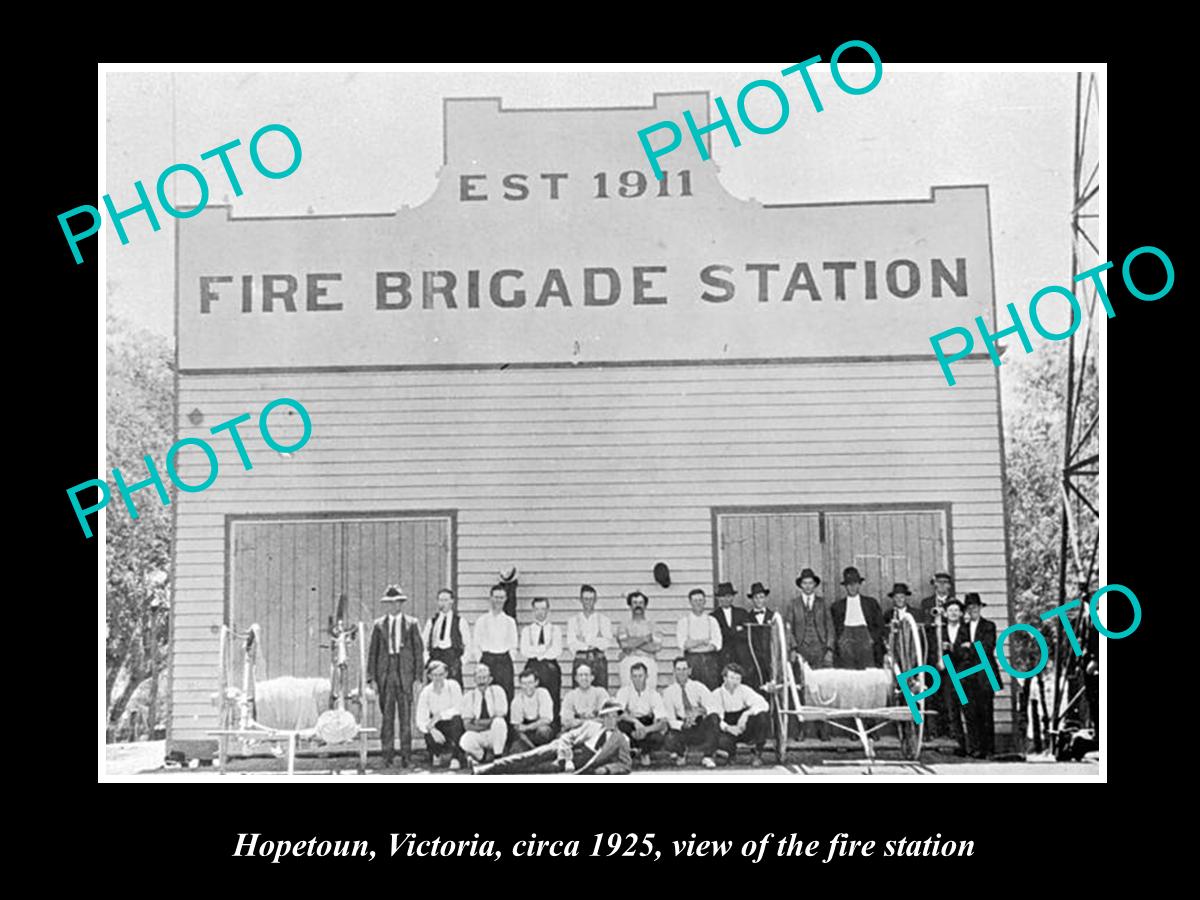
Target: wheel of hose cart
<point x="908" y="652"/>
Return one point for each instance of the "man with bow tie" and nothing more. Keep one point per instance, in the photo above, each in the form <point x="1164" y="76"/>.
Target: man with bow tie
<point x="541" y="645"/>
<point x="394" y="665"/>
<point x="446" y="636"/>
<point x="762" y="636"/>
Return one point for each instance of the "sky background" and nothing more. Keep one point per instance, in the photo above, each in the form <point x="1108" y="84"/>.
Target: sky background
<point x="372" y="142"/>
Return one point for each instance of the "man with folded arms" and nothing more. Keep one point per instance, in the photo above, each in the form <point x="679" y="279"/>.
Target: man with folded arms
<point x="484" y="709"/>
<point x="741" y="716"/>
<point x="531" y="714"/>
<point x="644" y="719"/>
<point x="690" y="721"/>
<point x="439" y="715"/>
<point x="699" y="637"/>
<point x="582" y="702"/>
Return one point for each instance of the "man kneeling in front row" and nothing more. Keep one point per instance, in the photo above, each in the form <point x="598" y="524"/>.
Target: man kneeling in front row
<point x="597" y="747"/>
<point x="484" y="710"/>
<point x="531" y="713"/>
<point x="690" y="720"/>
<point x="742" y="715"/>
<point x="644" y="720"/>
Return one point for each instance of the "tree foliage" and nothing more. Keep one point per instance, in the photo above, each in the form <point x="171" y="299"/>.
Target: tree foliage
<point x="140" y="406"/>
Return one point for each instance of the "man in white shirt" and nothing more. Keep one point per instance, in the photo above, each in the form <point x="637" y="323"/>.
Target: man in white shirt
<point x="699" y="637"/>
<point x="690" y="720"/>
<point x="446" y="636"/>
<point x="531" y="714"/>
<point x="857" y="626"/>
<point x="496" y="640"/>
<point x="582" y="702"/>
<point x="956" y="644"/>
<point x="485" y="711"/>
<point x="589" y="635"/>
<point x="742" y="716"/>
<point x="541" y="645"/>
<point x="439" y="715"/>
<point x="644" y="720"/>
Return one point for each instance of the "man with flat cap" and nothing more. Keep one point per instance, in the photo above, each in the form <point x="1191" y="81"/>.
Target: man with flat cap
<point x="981" y="729"/>
<point x="732" y="621"/>
<point x="394" y="665"/>
<point x="857" y="626"/>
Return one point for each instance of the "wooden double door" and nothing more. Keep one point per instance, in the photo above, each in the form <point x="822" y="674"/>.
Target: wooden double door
<point x="886" y="545"/>
<point x="286" y="574"/>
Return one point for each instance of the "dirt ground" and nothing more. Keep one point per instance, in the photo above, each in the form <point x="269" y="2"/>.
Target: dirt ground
<point x="146" y="759"/>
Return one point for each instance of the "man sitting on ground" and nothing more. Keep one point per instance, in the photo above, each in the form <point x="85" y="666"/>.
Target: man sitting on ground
<point x="742" y="716"/>
<point x="531" y="714"/>
<point x="597" y="747"/>
<point x="644" y="719"/>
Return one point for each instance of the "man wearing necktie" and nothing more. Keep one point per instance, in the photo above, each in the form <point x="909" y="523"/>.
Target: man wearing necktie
<point x="394" y="664"/>
<point x="485" y="717"/>
<point x="541" y="645"/>
<point x="810" y="637"/>
<point x="762" y="636"/>
<point x="446" y="636"/>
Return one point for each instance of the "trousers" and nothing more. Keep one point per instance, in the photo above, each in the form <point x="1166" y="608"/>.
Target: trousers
<point x="758" y="728"/>
<point x="650" y="742"/>
<point x="475" y="743"/>
<point x="501" y="667"/>
<point x="706" y="668"/>
<point x="527" y="740"/>
<point x="395" y="702"/>
<point x="702" y="736"/>
<point x="854" y="650"/>
<point x="980" y="727"/>
<point x="452" y="731"/>
<point x="550" y="677"/>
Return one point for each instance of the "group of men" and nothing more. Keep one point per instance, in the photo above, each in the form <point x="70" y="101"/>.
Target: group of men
<point x="525" y="722"/>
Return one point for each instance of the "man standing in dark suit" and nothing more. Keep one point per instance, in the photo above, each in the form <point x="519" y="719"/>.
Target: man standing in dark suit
<point x="955" y="643"/>
<point x="732" y="620"/>
<point x="857" y="626"/>
<point x="981" y="729"/>
<point x="810" y="636"/>
<point x="935" y="627"/>
<point x="394" y="664"/>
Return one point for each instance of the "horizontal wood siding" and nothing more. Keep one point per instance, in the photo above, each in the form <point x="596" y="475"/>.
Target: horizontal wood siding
<point x="589" y="474"/>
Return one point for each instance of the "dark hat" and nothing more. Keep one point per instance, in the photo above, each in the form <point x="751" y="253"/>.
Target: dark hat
<point x="808" y="573"/>
<point x="393" y="594"/>
<point x="757" y="588"/>
<point x="507" y="575"/>
<point x="850" y="574"/>
<point x="899" y="588"/>
<point x="952" y="601"/>
<point x="972" y="599"/>
<point x="945" y="575"/>
<point x="725" y="589"/>
<point x="662" y="575"/>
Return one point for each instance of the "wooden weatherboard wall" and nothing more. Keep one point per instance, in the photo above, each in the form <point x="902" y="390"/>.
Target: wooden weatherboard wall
<point x="571" y="474"/>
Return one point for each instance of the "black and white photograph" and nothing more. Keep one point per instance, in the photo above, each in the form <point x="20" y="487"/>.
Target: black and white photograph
<point x="660" y="423"/>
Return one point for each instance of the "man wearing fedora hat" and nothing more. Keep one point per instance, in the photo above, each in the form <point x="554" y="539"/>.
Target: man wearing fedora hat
<point x="931" y="610"/>
<point x="394" y="664"/>
<point x="810" y="635"/>
<point x="762" y="636"/>
<point x="857" y="626"/>
<point x="732" y="620"/>
<point x="981" y="729"/>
